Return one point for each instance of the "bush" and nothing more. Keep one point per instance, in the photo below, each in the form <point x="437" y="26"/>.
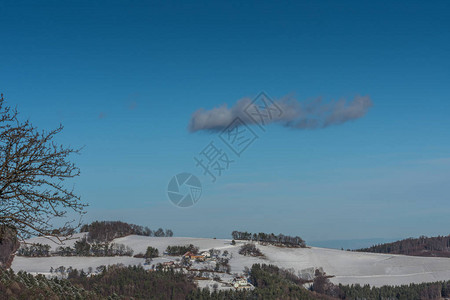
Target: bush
<point x="250" y="250"/>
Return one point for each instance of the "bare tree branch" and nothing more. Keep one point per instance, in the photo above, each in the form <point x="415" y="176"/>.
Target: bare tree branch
<point x="33" y="171"/>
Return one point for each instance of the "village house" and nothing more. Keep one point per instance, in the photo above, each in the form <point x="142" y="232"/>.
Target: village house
<point x="240" y="282"/>
<point x="206" y="254"/>
<point x="193" y="256"/>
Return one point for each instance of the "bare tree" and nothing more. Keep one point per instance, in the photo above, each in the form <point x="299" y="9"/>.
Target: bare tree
<point x="33" y="171"/>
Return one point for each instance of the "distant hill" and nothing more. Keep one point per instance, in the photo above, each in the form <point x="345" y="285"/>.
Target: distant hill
<point x="423" y="246"/>
<point x="351" y="244"/>
<point x="347" y="267"/>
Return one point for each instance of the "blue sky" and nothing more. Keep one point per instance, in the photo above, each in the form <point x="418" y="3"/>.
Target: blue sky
<point x="124" y="78"/>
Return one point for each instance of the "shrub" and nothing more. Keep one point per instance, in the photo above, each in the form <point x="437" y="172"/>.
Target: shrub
<point x="250" y="250"/>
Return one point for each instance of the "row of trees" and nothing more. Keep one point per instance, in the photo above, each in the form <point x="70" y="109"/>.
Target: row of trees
<point x="64" y="272"/>
<point x="34" y="250"/>
<point x="106" y="231"/>
<point x="270" y="238"/>
<point x="422" y="246"/>
<point x="180" y="250"/>
<point x="83" y="248"/>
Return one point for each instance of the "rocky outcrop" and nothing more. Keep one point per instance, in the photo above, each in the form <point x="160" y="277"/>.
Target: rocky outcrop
<point x="8" y="246"/>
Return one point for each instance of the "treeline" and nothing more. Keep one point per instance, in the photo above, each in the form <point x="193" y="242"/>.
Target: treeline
<point x="34" y="250"/>
<point x="270" y="238"/>
<point x="422" y="246"/>
<point x="84" y="248"/>
<point x="81" y="248"/>
<point x="180" y="250"/>
<point x="106" y="231"/>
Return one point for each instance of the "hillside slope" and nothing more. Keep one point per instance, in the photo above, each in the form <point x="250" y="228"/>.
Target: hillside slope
<point x="423" y="246"/>
<point x="346" y="267"/>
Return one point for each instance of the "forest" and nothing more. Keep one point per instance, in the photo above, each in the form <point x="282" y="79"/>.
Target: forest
<point x="133" y="282"/>
<point x="423" y="246"/>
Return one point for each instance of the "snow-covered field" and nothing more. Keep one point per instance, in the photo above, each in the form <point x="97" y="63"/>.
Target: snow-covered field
<point x="346" y="267"/>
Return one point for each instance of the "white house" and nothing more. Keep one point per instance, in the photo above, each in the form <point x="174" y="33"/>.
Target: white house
<point x="206" y="254"/>
<point x="240" y="282"/>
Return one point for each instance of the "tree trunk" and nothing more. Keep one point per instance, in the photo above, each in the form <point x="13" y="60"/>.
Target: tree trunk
<point x="8" y="246"/>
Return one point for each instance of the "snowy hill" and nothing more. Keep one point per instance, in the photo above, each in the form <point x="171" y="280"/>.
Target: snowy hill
<point x="346" y="267"/>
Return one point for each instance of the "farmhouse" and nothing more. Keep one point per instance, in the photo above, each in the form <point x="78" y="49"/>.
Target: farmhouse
<point x="240" y="282"/>
<point x="206" y="254"/>
<point x="193" y="256"/>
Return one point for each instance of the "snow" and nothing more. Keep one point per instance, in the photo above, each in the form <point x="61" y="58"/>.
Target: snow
<point x="346" y="267"/>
